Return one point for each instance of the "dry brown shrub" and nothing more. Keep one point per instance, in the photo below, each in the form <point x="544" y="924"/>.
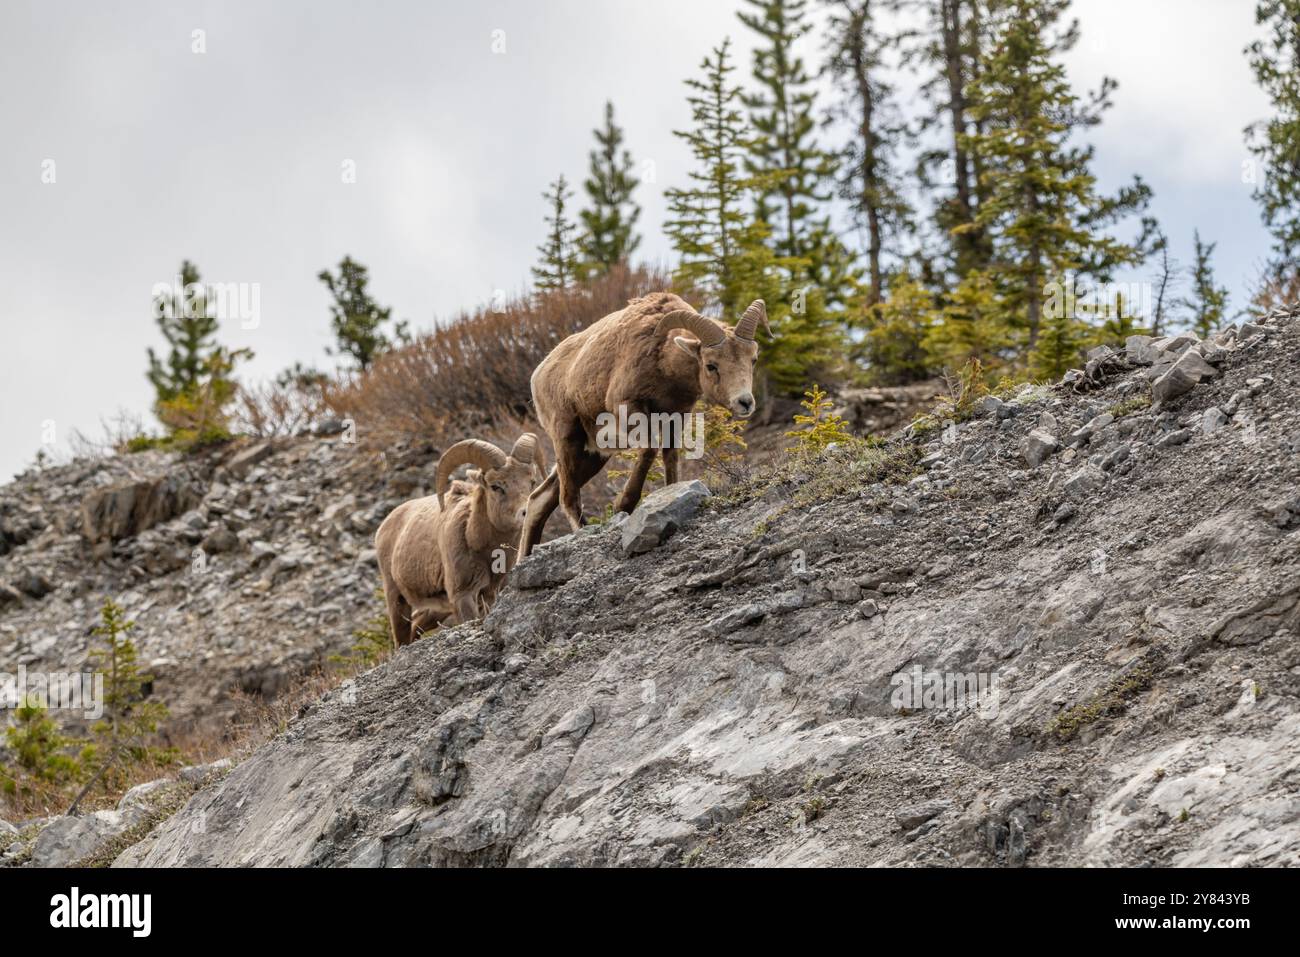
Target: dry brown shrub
<point x="275" y="409"/>
<point x="1275" y="287"/>
<point x="471" y="376"/>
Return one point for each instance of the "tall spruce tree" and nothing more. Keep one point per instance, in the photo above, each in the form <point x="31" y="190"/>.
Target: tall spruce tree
<point x="793" y="175"/>
<point x="971" y="327"/>
<point x="559" y="264"/>
<point x="869" y="181"/>
<point x="954" y="41"/>
<point x="707" y="222"/>
<point x="356" y="318"/>
<point x="609" y="222"/>
<point x="1275" y="142"/>
<point x="195" y="384"/>
<point x="724" y="250"/>
<point x="1275" y="61"/>
<point x="1208" y="301"/>
<point x="1041" y="213"/>
<point x="190" y="330"/>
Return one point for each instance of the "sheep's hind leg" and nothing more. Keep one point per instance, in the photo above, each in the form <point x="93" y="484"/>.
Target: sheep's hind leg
<point x="576" y="470"/>
<point x="399" y="615"/>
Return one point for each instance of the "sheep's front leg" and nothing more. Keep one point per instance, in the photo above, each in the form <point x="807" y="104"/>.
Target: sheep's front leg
<point x="636" y="481"/>
<point x="670" y="465"/>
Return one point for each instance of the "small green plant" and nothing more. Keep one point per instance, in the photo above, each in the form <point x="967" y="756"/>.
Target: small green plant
<point x="724" y="445"/>
<point x="143" y="443"/>
<point x="197" y="416"/>
<point x="39" y="747"/>
<point x="373" y="644"/>
<point x="821" y="427"/>
<point x="1183" y="816"/>
<point x="813" y="809"/>
<point x="628" y="457"/>
<point x="1112" y="699"/>
<point x="130" y="718"/>
<point x="1130" y="405"/>
<point x="603" y="518"/>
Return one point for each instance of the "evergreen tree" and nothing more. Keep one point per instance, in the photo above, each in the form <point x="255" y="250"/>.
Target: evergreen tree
<point x="609" y="223"/>
<point x="195" y="383"/>
<point x="1118" y="323"/>
<point x="870" y="181"/>
<point x="725" y="255"/>
<point x="1059" y="346"/>
<point x="1041" y="212"/>
<point x="954" y="44"/>
<point x="130" y="718"/>
<point x="1275" y="61"/>
<point x="706" y="221"/>
<point x="894" y="345"/>
<point x="355" y="317"/>
<point x="971" y="326"/>
<point x="190" y="329"/>
<point x="559" y="264"/>
<point x="1208" y="302"/>
<point x="793" y="176"/>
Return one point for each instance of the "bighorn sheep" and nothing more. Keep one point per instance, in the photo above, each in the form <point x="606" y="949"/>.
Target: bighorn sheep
<point x="444" y="556"/>
<point x="629" y="359"/>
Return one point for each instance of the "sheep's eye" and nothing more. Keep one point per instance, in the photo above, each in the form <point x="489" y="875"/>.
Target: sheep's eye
<point x="498" y="489"/>
<point x="711" y="367"/>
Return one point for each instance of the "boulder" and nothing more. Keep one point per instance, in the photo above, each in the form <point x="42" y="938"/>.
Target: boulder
<point x="1138" y="350"/>
<point x="1182" y="377"/>
<point x="661" y="514"/>
<point x="917" y="814"/>
<point x="243" y="461"/>
<point x="1213" y="419"/>
<point x="1084" y="481"/>
<point x="1037" y="446"/>
<point x="125" y="510"/>
<point x="68" y="839"/>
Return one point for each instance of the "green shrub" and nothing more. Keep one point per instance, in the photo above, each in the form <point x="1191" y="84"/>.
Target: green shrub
<point x="374" y="642"/>
<point x="820" y="425"/>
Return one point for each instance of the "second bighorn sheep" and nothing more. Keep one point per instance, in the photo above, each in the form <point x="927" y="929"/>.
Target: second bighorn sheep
<point x="443" y="557"/>
<point x="632" y="360"/>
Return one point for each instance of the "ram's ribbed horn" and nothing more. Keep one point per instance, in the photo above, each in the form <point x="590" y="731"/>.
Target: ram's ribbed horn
<point x="475" y="451"/>
<point x="706" y="330"/>
<point x="748" y="325"/>
<point x="525" y="448"/>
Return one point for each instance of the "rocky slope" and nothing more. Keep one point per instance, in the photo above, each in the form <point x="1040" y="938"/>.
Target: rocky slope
<point x="1125" y="574"/>
<point x="241" y="567"/>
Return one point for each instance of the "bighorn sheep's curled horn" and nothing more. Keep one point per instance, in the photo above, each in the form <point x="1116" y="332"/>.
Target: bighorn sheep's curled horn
<point x="525" y="449"/>
<point x="475" y="451"/>
<point x="706" y="330"/>
<point x="748" y="325"/>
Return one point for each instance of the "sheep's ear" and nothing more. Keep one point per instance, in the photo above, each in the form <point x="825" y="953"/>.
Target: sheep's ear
<point x="690" y="346"/>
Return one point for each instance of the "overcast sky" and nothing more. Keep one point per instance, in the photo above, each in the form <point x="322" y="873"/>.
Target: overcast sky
<point x="233" y="158"/>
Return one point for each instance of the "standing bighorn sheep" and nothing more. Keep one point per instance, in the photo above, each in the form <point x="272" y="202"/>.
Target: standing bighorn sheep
<point x="629" y="360"/>
<point x="444" y="556"/>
